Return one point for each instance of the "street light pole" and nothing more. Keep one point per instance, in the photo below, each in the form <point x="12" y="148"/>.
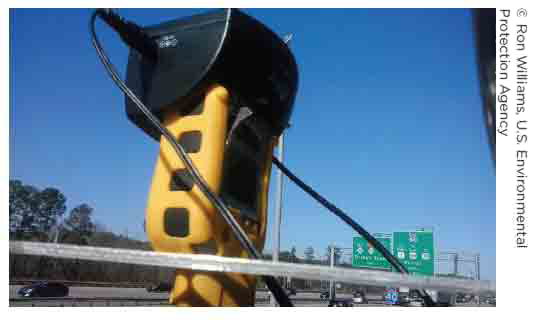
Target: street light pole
<point x="455" y="263"/>
<point x="478" y="267"/>
<point x="278" y="204"/>
<point x="278" y="198"/>
<point x="278" y="210"/>
<point x="332" y="289"/>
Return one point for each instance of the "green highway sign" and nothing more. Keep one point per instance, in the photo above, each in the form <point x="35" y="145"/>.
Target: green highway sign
<point x="366" y="256"/>
<point x="415" y="251"/>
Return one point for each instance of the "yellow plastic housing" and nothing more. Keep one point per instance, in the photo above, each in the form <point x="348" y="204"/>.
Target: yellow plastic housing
<point x="207" y="232"/>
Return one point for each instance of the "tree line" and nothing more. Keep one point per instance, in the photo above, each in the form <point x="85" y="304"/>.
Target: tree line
<point x="40" y="215"/>
<point x="35" y="215"/>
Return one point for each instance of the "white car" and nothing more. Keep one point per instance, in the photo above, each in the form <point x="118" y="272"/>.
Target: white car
<point x="416" y="303"/>
<point x="359" y="297"/>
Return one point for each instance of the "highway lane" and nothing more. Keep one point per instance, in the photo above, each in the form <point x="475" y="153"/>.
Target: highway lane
<point x="141" y="293"/>
<point x="130" y="297"/>
<point x="106" y="296"/>
<point x="104" y="292"/>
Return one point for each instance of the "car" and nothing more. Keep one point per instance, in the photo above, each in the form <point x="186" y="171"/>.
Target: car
<point x="461" y="298"/>
<point x="491" y="300"/>
<point x="404" y="297"/>
<point x="445" y="299"/>
<point x="159" y="287"/>
<point x="416" y="303"/>
<point x="341" y="303"/>
<point x="408" y="301"/>
<point x="403" y="300"/>
<point x="324" y="295"/>
<point x="44" y="289"/>
<point x="359" y="297"/>
<point x="414" y="299"/>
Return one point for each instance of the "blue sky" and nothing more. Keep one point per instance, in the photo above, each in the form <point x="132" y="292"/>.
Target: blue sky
<point x="387" y="123"/>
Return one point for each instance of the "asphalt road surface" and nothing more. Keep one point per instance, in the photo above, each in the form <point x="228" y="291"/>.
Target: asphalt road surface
<point x="141" y="293"/>
<point x="103" y="292"/>
<point x="105" y="296"/>
<point x="130" y="297"/>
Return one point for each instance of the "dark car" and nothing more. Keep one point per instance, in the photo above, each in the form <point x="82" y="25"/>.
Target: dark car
<point x="341" y="303"/>
<point x="324" y="295"/>
<point x="445" y="299"/>
<point x="44" y="289"/>
<point x="403" y="299"/>
<point x="414" y="299"/>
<point x="410" y="299"/>
<point x="461" y="298"/>
<point x="159" y="287"/>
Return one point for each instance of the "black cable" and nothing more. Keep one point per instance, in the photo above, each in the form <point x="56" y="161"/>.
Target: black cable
<point x="339" y="213"/>
<point x="132" y="34"/>
<point x="271" y="282"/>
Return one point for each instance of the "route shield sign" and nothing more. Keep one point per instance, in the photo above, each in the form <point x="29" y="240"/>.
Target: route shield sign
<point x="415" y="251"/>
<point x="366" y="256"/>
<point x="391" y="296"/>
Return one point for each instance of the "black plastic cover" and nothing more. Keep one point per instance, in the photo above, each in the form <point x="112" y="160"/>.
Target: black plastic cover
<point x="225" y="47"/>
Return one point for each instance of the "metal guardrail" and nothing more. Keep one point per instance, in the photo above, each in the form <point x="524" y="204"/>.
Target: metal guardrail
<point x="252" y="267"/>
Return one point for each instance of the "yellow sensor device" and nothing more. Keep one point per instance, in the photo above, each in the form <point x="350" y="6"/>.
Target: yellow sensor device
<point x="223" y="85"/>
<point x="180" y="218"/>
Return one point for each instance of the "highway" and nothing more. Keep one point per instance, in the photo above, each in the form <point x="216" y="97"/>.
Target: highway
<point x="131" y="297"/>
<point x="104" y="292"/>
<point x="106" y="296"/>
<point x="138" y="293"/>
